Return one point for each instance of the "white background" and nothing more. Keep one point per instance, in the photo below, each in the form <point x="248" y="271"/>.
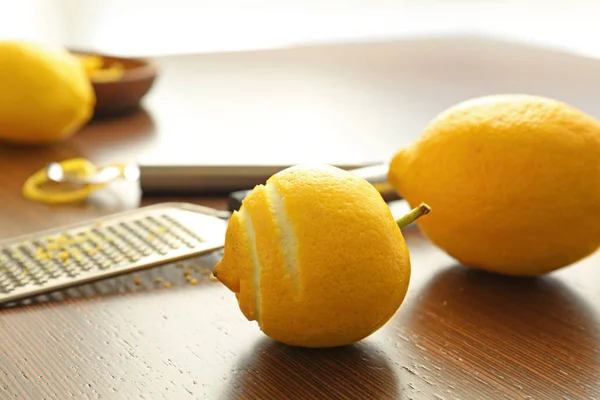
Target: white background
<point x="152" y="27"/>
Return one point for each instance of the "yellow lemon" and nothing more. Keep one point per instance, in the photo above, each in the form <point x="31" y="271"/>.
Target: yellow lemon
<point x="514" y="181"/>
<point x="315" y="257"/>
<point x="46" y="95"/>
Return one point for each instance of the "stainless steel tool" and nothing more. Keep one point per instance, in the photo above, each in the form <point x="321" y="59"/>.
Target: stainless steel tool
<point x="46" y="261"/>
<point x="199" y="180"/>
<point x="103" y="175"/>
<point x="376" y="175"/>
<point x="67" y="256"/>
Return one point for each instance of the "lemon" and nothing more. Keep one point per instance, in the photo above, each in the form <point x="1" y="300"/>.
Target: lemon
<point x="514" y="181"/>
<point x="46" y="95"/>
<point x="315" y="257"/>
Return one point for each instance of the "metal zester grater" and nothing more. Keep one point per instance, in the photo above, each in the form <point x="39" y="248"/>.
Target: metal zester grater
<point x="46" y="261"/>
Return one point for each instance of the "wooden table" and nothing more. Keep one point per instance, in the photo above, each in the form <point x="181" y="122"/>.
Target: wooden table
<point x="460" y="334"/>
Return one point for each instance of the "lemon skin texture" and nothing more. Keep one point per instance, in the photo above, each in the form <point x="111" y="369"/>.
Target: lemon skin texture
<point x="316" y="258"/>
<point x="514" y="181"/>
<point x="46" y="96"/>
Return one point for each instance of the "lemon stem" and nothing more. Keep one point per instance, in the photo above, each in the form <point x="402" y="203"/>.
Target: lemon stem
<point x="413" y="215"/>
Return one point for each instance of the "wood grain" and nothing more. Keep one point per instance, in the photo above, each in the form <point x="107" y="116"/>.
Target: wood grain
<point x="460" y="334"/>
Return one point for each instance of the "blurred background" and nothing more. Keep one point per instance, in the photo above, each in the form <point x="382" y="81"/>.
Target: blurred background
<point x="150" y="27"/>
<point x="279" y="82"/>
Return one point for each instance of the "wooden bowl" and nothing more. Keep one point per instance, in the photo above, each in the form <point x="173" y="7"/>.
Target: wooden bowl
<point x="123" y="95"/>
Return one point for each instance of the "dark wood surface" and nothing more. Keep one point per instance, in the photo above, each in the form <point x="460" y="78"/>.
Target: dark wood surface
<point x="460" y="334"/>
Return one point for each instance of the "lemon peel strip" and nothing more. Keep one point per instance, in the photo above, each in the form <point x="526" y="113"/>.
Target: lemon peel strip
<point x="248" y="228"/>
<point x="289" y="242"/>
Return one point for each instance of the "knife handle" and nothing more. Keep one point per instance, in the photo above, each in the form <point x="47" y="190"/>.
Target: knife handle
<point x="375" y="174"/>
